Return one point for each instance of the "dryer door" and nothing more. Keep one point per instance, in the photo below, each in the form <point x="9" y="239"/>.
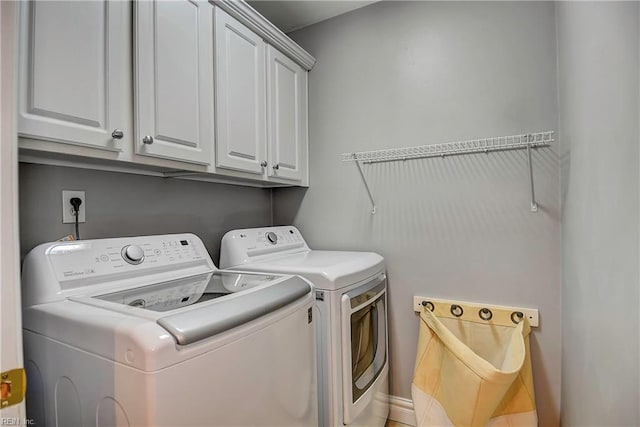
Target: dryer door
<point x="364" y="344"/>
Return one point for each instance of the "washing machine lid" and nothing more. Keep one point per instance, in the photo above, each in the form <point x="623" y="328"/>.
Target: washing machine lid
<point x="192" y="309"/>
<point x="327" y="270"/>
<point x="168" y="296"/>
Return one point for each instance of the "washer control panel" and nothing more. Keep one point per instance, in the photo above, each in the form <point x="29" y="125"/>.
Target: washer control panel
<point x="94" y="258"/>
<point x="246" y="245"/>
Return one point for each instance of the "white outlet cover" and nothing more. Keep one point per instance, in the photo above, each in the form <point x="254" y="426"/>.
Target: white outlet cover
<point x="67" y="209"/>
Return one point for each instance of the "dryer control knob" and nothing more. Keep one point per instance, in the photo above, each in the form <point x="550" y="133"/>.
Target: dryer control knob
<point x="272" y="237"/>
<point x="133" y="254"/>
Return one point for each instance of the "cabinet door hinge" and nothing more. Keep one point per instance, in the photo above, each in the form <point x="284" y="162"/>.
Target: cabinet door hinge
<point x="13" y="385"/>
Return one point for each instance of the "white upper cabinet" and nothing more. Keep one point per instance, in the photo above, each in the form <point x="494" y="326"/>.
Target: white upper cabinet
<point x="173" y="80"/>
<point x="207" y="87"/>
<point x="74" y="72"/>
<point x="287" y="110"/>
<point x="240" y="96"/>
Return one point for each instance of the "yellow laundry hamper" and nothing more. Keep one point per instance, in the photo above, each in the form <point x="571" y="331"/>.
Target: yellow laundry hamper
<point x="473" y="368"/>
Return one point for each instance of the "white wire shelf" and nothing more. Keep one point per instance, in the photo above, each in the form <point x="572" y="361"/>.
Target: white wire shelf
<point x="483" y="145"/>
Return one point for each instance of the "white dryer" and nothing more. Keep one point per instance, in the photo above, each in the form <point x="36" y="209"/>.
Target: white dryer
<point x="145" y="331"/>
<point x="351" y="310"/>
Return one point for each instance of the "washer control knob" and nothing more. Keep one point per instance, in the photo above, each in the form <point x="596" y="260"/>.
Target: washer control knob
<point x="272" y="237"/>
<point x="133" y="254"/>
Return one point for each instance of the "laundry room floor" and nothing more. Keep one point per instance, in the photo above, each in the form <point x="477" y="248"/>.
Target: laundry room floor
<point x="391" y="423"/>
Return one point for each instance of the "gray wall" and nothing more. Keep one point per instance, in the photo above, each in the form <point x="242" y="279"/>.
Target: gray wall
<point x="121" y="204"/>
<point x="397" y="74"/>
<point x="599" y="80"/>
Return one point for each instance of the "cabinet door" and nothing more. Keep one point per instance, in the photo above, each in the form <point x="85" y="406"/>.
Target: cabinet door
<point x="174" y="79"/>
<point x="241" y="96"/>
<point x="73" y="72"/>
<point x="287" y="96"/>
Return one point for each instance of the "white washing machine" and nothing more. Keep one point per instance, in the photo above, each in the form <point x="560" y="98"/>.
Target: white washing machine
<point x="145" y="331"/>
<point x="352" y="321"/>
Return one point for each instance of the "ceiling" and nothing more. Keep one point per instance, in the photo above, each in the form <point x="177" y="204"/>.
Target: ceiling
<point x="291" y="15"/>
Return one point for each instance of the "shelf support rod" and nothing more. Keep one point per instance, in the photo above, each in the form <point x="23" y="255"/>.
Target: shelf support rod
<point x="534" y="204"/>
<point x="366" y="186"/>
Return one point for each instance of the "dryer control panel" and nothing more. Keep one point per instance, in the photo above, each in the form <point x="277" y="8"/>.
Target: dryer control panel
<point x="251" y="244"/>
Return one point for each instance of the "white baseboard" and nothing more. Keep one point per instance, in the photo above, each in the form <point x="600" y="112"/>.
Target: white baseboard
<point x="401" y="410"/>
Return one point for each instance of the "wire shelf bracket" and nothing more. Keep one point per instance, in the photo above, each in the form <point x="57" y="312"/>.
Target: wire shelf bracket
<point x="526" y="141"/>
<point x="366" y="186"/>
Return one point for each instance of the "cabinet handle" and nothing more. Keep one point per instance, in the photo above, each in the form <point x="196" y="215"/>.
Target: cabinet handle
<point x="148" y="139"/>
<point x="263" y="163"/>
<point x="117" y="134"/>
<point x="276" y="166"/>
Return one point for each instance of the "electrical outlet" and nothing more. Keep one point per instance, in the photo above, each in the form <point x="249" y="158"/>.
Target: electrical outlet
<point x="67" y="208"/>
